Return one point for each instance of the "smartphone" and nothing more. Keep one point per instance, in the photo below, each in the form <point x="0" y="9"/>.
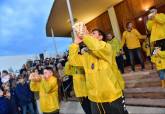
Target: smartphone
<point x="155" y="50"/>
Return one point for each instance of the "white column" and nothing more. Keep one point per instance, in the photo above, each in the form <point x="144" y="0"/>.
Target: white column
<point x="71" y="17"/>
<point x="114" y="22"/>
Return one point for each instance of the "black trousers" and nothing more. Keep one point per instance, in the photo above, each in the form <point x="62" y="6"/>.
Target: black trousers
<point x="56" y="112"/>
<point x="120" y="63"/>
<point x="86" y="105"/>
<point x="116" y="107"/>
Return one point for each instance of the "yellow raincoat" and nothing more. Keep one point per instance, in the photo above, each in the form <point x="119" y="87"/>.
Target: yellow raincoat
<point x="131" y="39"/>
<point x="79" y="84"/>
<point x="48" y="94"/>
<point x="159" y="60"/>
<point x="157" y="27"/>
<point x="116" y="45"/>
<point x="101" y="80"/>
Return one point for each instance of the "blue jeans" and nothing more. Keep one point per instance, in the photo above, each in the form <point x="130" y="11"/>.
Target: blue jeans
<point x="131" y="54"/>
<point x="30" y="107"/>
<point x="162" y="74"/>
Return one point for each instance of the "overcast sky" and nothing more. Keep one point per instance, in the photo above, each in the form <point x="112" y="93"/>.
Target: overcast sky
<point x="22" y="28"/>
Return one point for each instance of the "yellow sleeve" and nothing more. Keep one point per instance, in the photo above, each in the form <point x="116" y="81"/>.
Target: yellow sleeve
<point x="120" y="78"/>
<point x="67" y="69"/>
<point x="161" y="54"/>
<point x="49" y="86"/>
<point x="153" y="58"/>
<point x="75" y="59"/>
<point x="149" y="25"/>
<point x="118" y="44"/>
<point x="160" y="18"/>
<point x="138" y="34"/>
<point x="34" y="86"/>
<point x="144" y="46"/>
<point x="100" y="49"/>
<point x="123" y="40"/>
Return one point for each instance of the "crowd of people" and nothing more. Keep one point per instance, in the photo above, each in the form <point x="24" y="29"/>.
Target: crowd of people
<point x="16" y="96"/>
<point x="92" y="67"/>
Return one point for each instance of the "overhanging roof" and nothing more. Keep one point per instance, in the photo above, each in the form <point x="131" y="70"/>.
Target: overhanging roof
<point x="83" y="10"/>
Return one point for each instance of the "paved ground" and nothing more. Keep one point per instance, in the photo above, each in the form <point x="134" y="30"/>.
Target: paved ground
<point x="75" y="108"/>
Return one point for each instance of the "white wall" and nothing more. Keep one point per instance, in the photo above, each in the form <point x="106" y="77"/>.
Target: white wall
<point x="14" y="62"/>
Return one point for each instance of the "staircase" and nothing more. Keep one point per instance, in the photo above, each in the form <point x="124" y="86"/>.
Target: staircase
<point x="143" y="93"/>
<point x="143" y="88"/>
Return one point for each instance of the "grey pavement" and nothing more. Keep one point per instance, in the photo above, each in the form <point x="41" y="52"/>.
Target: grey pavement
<point x="73" y="107"/>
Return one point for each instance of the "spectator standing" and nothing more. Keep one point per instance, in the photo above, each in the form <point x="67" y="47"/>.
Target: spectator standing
<point x="116" y="45"/>
<point x="47" y="87"/>
<point x="24" y="95"/>
<point x="132" y="39"/>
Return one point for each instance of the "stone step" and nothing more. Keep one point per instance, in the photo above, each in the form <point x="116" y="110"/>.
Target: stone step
<point x="141" y="83"/>
<point x="150" y="92"/>
<point x="145" y="102"/>
<point x="138" y="67"/>
<point x="140" y="75"/>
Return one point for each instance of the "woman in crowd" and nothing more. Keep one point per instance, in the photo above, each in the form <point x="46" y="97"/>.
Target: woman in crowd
<point x="9" y="96"/>
<point x="24" y="95"/>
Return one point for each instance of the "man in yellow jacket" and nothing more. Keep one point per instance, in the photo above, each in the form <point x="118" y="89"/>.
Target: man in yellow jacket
<point x="47" y="87"/>
<point x="132" y="39"/>
<point x="103" y="88"/>
<point x="116" y="46"/>
<point x="79" y="85"/>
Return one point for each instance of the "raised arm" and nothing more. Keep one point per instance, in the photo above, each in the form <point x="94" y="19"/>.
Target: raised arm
<point x="138" y="34"/>
<point x="161" y="54"/>
<point x="160" y="18"/>
<point x="34" y="85"/>
<point x="100" y="49"/>
<point x="123" y="40"/>
<point x="75" y="59"/>
<point x="50" y="85"/>
<point x="149" y="25"/>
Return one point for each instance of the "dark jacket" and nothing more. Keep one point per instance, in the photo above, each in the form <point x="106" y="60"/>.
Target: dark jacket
<point x="4" y="105"/>
<point x="23" y="94"/>
<point x="13" y="102"/>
